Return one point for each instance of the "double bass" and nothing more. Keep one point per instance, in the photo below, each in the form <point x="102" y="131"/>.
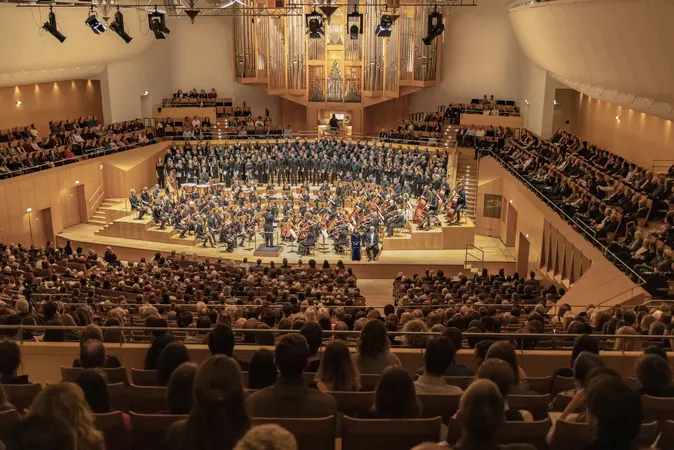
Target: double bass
<point x="452" y="204"/>
<point x="421" y="210"/>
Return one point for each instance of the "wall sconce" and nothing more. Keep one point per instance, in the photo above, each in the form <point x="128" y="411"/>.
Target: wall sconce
<point x="19" y="103"/>
<point x="77" y="181"/>
<point x="617" y="117"/>
<point x="146" y="92"/>
<point x="29" y="209"/>
<point x="511" y="202"/>
<point x="526" y="101"/>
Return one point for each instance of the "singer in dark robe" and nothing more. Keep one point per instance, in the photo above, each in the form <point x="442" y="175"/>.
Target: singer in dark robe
<point x="355" y="246"/>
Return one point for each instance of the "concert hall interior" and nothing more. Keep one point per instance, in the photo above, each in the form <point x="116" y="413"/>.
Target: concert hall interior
<point x="494" y="167"/>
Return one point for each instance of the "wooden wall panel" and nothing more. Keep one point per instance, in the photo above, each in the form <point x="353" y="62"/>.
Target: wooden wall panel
<point x="43" y="102"/>
<point x="385" y="115"/>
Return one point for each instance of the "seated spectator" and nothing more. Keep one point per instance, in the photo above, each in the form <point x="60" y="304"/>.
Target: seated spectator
<point x="654" y="376"/>
<point x="10" y="360"/>
<point x="93" y="383"/>
<point x="203" y="324"/>
<point x="169" y="360"/>
<point x="41" y="433"/>
<point x="626" y="344"/>
<point x="180" y="388"/>
<point x="584" y="343"/>
<point x="92" y="354"/>
<point x="66" y="402"/>
<point x="262" y="371"/>
<point x="218" y="418"/>
<point x="337" y="371"/>
<point x="290" y="396"/>
<point x="267" y="437"/>
<point x="158" y="344"/>
<point x="395" y="396"/>
<point x="503" y="376"/>
<point x="373" y="354"/>
<point x="221" y="341"/>
<point x="505" y="351"/>
<point x="480" y="354"/>
<point x="455" y="369"/>
<point x="438" y="356"/>
<point x="614" y="410"/>
<point x="313" y="333"/>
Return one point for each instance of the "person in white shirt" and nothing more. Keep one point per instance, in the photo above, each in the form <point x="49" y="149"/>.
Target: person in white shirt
<point x="288" y="132"/>
<point x="438" y="356"/>
<point x="244" y="265"/>
<point x="196" y="122"/>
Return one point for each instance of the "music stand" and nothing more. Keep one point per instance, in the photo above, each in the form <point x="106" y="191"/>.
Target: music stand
<point x="293" y="247"/>
<point x="250" y="249"/>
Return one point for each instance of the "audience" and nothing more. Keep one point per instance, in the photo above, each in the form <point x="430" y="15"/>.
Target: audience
<point x="337" y="371"/>
<point x="169" y="360"/>
<point x="262" y="370"/>
<point x="267" y="437"/>
<point x="180" y="388"/>
<point x="373" y="354"/>
<point x="438" y="356"/>
<point x="395" y="396"/>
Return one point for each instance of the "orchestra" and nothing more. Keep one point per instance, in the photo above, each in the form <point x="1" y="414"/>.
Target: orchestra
<point x="217" y="193"/>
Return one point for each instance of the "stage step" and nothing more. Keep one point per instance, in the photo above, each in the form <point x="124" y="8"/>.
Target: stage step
<point x="100" y="223"/>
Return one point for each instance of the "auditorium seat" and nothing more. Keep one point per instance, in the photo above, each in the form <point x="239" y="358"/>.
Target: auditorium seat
<point x="114" y="430"/>
<point x="116" y="375"/>
<point x="532" y="433"/>
<point x="21" y="395"/>
<point x="561" y="384"/>
<point x="574" y="436"/>
<point x="443" y="405"/>
<point x="149" y="430"/>
<point x="385" y="434"/>
<point x="147" y="399"/>
<point x="353" y="403"/>
<point x="658" y="408"/>
<point x="7" y="420"/>
<point x="369" y="382"/>
<point x="119" y="396"/>
<point x="144" y="377"/>
<point x="666" y="440"/>
<point x="540" y="385"/>
<point x="537" y="405"/>
<point x="311" y="434"/>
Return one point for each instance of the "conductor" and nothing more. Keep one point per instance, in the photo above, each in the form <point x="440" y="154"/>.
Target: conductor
<point x="268" y="228"/>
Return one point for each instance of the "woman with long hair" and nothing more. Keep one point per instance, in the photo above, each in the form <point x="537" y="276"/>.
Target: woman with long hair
<point x="505" y="351"/>
<point x="337" y="371"/>
<point x="373" y="349"/>
<point x="395" y="396"/>
<point x="65" y="402"/>
<point x="218" y="418"/>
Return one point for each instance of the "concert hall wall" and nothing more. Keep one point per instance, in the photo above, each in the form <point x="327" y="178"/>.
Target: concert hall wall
<point x="43" y="102"/>
<point x="480" y="56"/>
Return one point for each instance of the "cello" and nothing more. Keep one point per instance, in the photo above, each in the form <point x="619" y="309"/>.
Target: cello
<point x="421" y="210"/>
<point x="452" y="203"/>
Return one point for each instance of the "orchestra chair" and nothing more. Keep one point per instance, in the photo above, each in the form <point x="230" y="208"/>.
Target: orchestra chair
<point x="388" y="434"/>
<point x="113" y="429"/>
<point x="149" y="430"/>
<point x="311" y="434"/>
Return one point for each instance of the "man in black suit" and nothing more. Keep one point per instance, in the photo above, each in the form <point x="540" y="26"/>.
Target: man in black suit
<point x="371" y="241"/>
<point x="268" y="228"/>
<point x="290" y="396"/>
<point x="460" y="201"/>
<point x="136" y="205"/>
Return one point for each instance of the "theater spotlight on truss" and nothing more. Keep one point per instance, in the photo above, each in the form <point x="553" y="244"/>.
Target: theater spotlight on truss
<point x="435" y="26"/>
<point x="157" y="21"/>
<point x="94" y="23"/>
<point x="314" y="22"/>
<point x="385" y="26"/>
<point x="51" y="28"/>
<point x="117" y="26"/>
<point x="354" y="23"/>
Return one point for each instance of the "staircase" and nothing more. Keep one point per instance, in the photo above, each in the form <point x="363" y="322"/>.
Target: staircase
<point x="467" y="170"/>
<point x="108" y="210"/>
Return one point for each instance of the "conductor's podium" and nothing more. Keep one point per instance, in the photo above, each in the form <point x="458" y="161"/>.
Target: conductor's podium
<point x="446" y="237"/>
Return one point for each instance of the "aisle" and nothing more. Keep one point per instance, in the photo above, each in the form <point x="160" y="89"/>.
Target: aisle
<point x="377" y="292"/>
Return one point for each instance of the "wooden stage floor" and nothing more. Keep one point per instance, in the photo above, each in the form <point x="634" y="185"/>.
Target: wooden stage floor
<point x="390" y="262"/>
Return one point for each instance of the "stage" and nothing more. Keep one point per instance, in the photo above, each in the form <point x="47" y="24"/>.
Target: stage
<point x="131" y="243"/>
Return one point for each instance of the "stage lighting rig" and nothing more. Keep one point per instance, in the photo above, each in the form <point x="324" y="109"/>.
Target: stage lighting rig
<point x="385" y="26"/>
<point x="94" y="23"/>
<point x="314" y="22"/>
<point x="51" y="28"/>
<point x="354" y="23"/>
<point x="435" y="26"/>
<point x="157" y="21"/>
<point x="117" y="26"/>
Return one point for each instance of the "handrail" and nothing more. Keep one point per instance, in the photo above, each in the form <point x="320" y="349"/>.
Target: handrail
<point x="478" y="258"/>
<point x="582" y="226"/>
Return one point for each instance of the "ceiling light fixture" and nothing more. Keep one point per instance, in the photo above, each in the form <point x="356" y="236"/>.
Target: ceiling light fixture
<point x="51" y="28"/>
<point x="117" y="26"/>
<point x="94" y="23"/>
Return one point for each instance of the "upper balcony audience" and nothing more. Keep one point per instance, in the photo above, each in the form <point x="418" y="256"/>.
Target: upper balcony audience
<point x="196" y="94"/>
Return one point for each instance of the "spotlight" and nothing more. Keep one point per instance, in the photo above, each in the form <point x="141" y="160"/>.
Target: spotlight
<point x="385" y="26"/>
<point x="354" y="23"/>
<point x="435" y="26"/>
<point x="50" y="27"/>
<point x="314" y="22"/>
<point x="117" y="26"/>
<point x="93" y="22"/>
<point x="157" y="23"/>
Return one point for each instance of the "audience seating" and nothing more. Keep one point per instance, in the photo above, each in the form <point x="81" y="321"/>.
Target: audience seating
<point x="666" y="440"/>
<point x="658" y="408"/>
<point x="119" y="396"/>
<point x="149" y="430"/>
<point x="149" y="377"/>
<point x="443" y="405"/>
<point x="115" y="375"/>
<point x="147" y="399"/>
<point x="561" y="384"/>
<point x="21" y="395"/>
<point x="383" y="434"/>
<point x="311" y="434"/>
<point x="532" y="433"/>
<point x="537" y="405"/>
<point x="114" y="430"/>
<point x="7" y="420"/>
<point x="353" y="403"/>
<point x="572" y="435"/>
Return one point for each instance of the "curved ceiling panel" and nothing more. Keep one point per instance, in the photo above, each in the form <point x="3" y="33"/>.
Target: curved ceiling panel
<point x="26" y="49"/>
<point x="625" y="46"/>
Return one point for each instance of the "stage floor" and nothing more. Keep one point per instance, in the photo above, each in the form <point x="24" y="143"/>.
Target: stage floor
<point x="390" y="262"/>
